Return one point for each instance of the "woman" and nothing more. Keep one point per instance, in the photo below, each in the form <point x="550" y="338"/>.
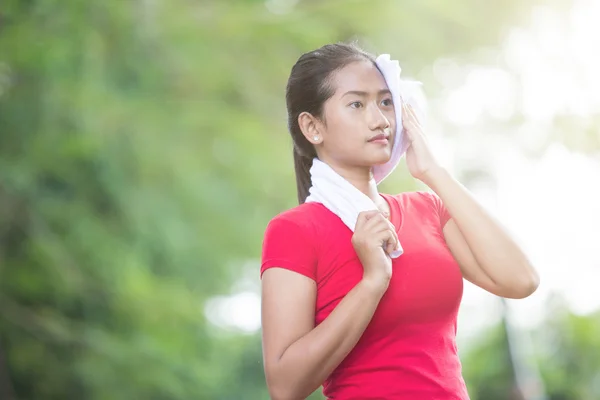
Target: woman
<point x="337" y="309"/>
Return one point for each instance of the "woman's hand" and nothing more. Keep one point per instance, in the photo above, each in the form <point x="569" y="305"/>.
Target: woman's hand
<point x="374" y="239"/>
<point x="420" y="160"/>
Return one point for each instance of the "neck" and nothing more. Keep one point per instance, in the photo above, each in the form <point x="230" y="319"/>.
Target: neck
<point x="362" y="179"/>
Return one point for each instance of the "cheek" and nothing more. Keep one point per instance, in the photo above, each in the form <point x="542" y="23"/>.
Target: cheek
<point x="391" y="117"/>
<point x="339" y="120"/>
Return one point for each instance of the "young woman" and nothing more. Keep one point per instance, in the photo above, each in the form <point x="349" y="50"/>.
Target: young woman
<point x="337" y="310"/>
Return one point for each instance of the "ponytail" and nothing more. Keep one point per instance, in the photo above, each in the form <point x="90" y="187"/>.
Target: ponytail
<point x="302" y="165"/>
<point x="308" y="88"/>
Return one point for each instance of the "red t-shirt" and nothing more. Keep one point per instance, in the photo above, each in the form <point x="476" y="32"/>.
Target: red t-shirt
<point x="408" y="350"/>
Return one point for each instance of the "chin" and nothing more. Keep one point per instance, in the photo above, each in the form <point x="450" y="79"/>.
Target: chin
<point x="380" y="158"/>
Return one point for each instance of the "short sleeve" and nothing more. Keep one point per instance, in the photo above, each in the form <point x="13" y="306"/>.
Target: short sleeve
<point x="440" y="209"/>
<point x="288" y="245"/>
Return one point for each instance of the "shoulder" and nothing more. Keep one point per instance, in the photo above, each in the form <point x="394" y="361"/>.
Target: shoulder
<point x="303" y="224"/>
<point x="423" y="204"/>
<point x="291" y="240"/>
<point x="415" y="199"/>
<point x="301" y="217"/>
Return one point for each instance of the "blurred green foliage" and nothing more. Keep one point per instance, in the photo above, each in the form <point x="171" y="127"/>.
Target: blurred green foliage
<point x="142" y="151"/>
<point x="564" y="349"/>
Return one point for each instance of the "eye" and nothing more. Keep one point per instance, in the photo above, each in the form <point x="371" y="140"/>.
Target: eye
<point x="387" y="102"/>
<point x="355" y="104"/>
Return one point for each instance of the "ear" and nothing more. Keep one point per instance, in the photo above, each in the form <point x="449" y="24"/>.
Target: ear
<point x="310" y="127"/>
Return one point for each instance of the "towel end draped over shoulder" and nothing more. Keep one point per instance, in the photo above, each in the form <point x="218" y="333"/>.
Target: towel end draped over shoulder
<point x="340" y="196"/>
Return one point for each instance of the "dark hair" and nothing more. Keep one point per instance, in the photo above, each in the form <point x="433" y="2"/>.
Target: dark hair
<point x="308" y="87"/>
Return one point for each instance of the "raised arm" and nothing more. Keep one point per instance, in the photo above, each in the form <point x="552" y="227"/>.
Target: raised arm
<point x="488" y="256"/>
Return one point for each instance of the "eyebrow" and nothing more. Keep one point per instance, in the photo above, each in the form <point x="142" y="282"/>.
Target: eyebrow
<point x="363" y="94"/>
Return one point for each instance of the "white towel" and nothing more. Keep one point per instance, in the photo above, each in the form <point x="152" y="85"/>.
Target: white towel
<point x="403" y="91"/>
<point x="336" y="193"/>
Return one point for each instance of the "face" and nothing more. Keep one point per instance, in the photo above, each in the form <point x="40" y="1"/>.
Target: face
<point x="359" y="125"/>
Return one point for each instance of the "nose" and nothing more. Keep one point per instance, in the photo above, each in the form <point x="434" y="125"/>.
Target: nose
<point x="377" y="119"/>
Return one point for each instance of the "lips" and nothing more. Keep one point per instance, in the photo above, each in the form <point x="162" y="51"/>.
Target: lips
<point x="379" y="137"/>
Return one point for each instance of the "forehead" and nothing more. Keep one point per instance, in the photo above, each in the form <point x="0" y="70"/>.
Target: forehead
<point x="359" y="76"/>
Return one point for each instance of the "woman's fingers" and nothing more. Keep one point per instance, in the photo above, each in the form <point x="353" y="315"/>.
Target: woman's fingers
<point x="389" y="237"/>
<point x="376" y="224"/>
